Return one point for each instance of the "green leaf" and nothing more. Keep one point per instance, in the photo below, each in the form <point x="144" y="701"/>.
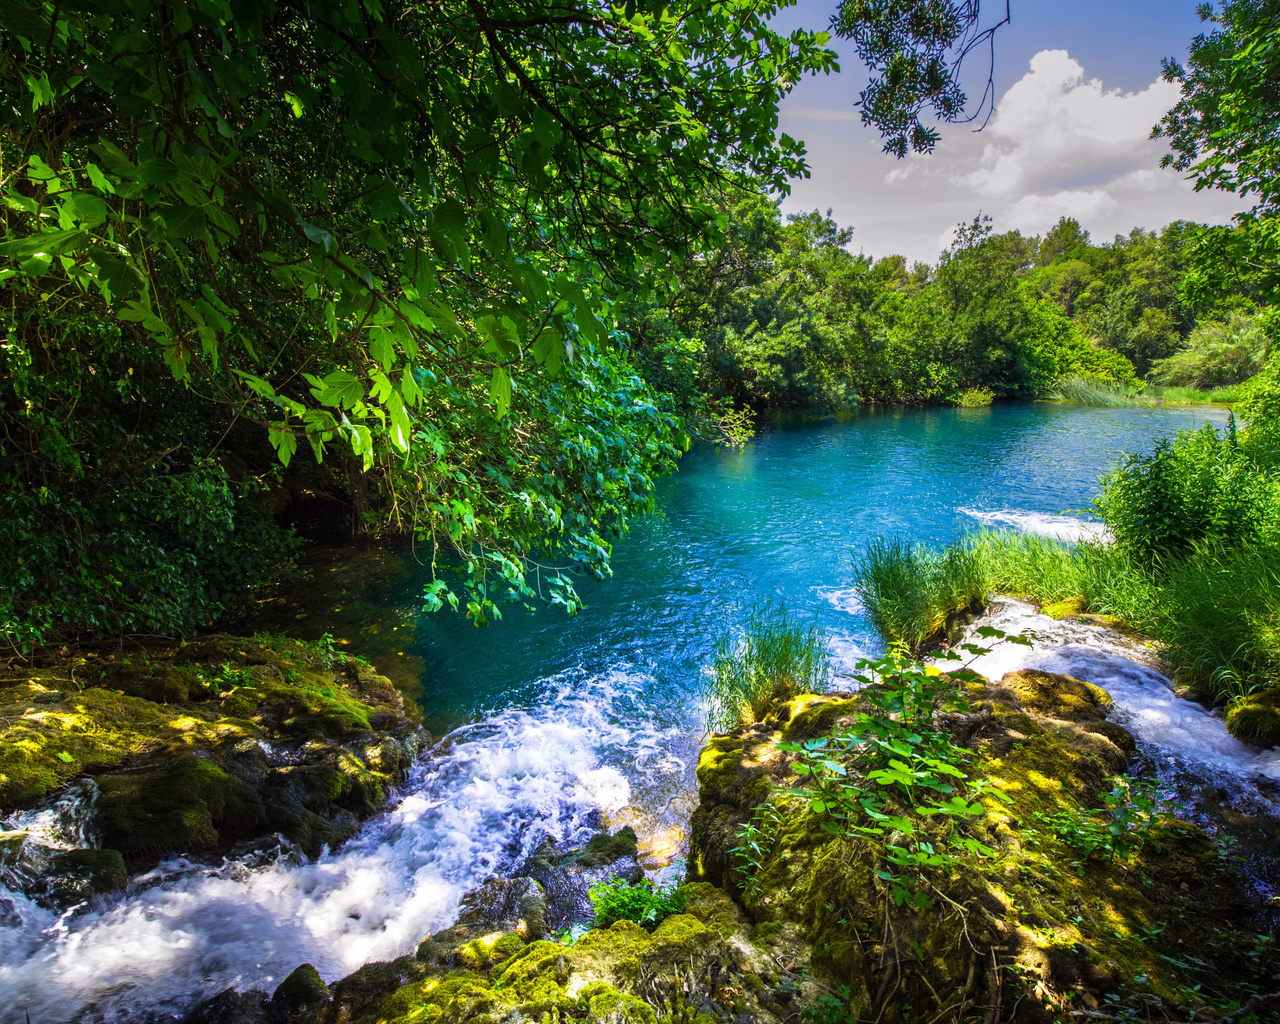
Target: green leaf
<point x="500" y="390"/>
<point x="51" y="243"/>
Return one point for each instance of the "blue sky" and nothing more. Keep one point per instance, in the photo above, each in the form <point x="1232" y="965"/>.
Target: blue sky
<point x="1078" y="91"/>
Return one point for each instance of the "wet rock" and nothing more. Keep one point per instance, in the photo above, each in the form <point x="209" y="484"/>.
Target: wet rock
<point x="303" y="992"/>
<point x="78" y="874"/>
<point x="508" y="905"/>
<point x="603" y="849"/>
<point x="359" y="995"/>
<point x="232" y="1007"/>
<point x="567" y="881"/>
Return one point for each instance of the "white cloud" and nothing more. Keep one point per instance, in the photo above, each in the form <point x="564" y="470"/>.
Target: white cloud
<point x="1059" y="144"/>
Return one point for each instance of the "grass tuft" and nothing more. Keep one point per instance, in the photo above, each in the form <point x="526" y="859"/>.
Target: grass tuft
<point x="776" y="659"/>
<point x="909" y="590"/>
<point x="1086" y="390"/>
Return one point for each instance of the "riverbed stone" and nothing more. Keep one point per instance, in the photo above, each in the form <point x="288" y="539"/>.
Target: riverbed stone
<point x="302" y="993"/>
<point x="1256" y="718"/>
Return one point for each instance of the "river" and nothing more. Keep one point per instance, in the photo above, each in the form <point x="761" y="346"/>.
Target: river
<point x="554" y="725"/>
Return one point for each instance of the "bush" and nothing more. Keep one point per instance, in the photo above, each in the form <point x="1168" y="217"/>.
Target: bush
<point x="1199" y="488"/>
<point x="645" y="904"/>
<point x="1218" y="353"/>
<point x="909" y="590"/>
<point x="776" y="659"/>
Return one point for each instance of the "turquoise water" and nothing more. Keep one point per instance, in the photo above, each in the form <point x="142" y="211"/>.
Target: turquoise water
<point x="778" y="521"/>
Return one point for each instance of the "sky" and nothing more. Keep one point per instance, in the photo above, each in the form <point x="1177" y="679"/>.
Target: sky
<point x="1078" y="91"/>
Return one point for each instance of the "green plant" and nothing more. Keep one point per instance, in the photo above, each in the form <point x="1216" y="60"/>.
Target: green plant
<point x="756" y="837"/>
<point x="775" y="659"/>
<point x="1085" y="389"/>
<point x="829" y="1008"/>
<point x="895" y="778"/>
<point x="908" y="590"/>
<point x="644" y="903"/>
<point x="1129" y="820"/>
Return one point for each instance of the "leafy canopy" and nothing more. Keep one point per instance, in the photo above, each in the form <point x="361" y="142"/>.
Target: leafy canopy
<point x="389" y="233"/>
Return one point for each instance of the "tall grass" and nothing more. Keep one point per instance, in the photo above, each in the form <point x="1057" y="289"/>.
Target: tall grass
<point x="776" y="659"/>
<point x="1216" y="611"/>
<point x="1196" y="396"/>
<point x="1219" y="617"/>
<point x="909" y="590"/>
<point x="1095" y="391"/>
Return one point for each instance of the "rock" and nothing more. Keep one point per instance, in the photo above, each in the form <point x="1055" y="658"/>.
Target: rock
<point x="1256" y="718"/>
<point x="506" y="904"/>
<point x="232" y="1007"/>
<point x="603" y="849"/>
<point x="359" y="995"/>
<point x="302" y="992"/>
<point x="1057" y="696"/>
<point x="196" y="748"/>
<point x="79" y="874"/>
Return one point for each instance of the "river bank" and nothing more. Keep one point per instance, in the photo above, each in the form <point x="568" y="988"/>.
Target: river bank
<point x="804" y="919"/>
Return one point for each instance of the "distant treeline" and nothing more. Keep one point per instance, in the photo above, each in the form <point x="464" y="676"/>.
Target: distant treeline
<point x="783" y="316"/>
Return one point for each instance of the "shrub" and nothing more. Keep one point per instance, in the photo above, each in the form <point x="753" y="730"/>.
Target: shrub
<point x="1217" y="353"/>
<point x="775" y="660"/>
<point x="1199" y="488"/>
<point x="645" y="904"/>
<point x="909" y="590"/>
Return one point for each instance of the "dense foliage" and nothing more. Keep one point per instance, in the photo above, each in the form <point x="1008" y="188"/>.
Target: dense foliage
<point x="389" y="237"/>
<point x="1223" y="130"/>
<point x="781" y="315"/>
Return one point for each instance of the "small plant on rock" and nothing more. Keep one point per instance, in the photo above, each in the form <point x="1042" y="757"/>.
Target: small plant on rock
<point x="1128" y="821"/>
<point x="644" y="903"/>
<point x="775" y="660"/>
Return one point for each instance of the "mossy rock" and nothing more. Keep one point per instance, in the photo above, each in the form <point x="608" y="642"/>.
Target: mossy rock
<point x="179" y="806"/>
<point x="1057" y="696"/>
<point x="1256" y="718"/>
<point x="1043" y="742"/>
<point x="1065" y="609"/>
<point x="302" y="992"/>
<point x="201" y="745"/>
<point x="603" y="849"/>
<point x="79" y="874"/>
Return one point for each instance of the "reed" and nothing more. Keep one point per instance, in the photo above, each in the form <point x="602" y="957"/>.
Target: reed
<point x="1095" y="391"/>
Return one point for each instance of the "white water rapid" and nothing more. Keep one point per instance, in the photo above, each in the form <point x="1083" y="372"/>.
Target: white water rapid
<point x="1059" y="527"/>
<point x="482" y="800"/>
<point x="1145" y="702"/>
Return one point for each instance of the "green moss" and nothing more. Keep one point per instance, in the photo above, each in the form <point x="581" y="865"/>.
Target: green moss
<point x="1256" y="718"/>
<point x="175" y="807"/>
<point x="1066" y="608"/>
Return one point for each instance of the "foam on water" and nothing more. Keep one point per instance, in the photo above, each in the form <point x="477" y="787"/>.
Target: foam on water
<point x="480" y="801"/>
<point x="1058" y="527"/>
<point x="1145" y="701"/>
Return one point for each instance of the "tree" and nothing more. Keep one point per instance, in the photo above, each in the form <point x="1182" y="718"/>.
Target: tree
<point x="917" y="50"/>
<point x="389" y="232"/>
<point x="1223" y="132"/>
